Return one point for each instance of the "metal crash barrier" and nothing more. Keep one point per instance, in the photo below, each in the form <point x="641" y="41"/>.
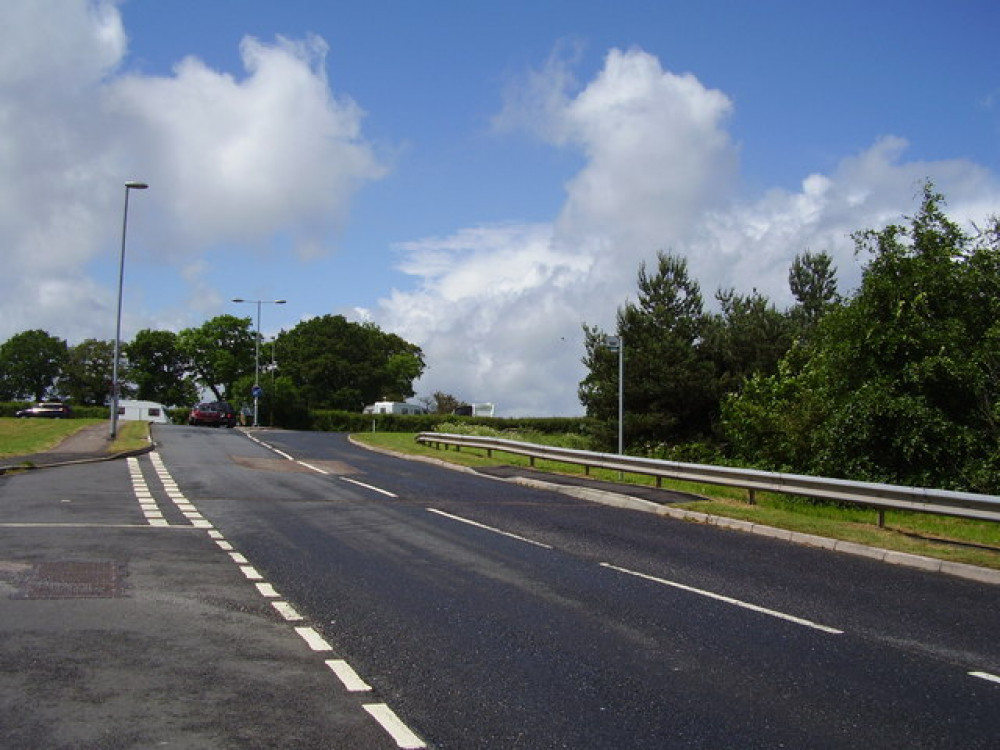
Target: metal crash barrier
<point x="869" y="494"/>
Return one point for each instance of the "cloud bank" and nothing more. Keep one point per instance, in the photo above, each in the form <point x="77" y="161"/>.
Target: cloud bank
<point x="271" y="155"/>
<point x="498" y="309"/>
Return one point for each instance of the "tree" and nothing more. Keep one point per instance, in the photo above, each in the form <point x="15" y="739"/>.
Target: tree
<point x="748" y="337"/>
<point x="442" y="403"/>
<point x="812" y="279"/>
<point x="88" y="370"/>
<point x="30" y="364"/>
<point x="337" y="364"/>
<point x="900" y="383"/>
<point x="159" y="369"/>
<point x="219" y="351"/>
<point x="669" y="381"/>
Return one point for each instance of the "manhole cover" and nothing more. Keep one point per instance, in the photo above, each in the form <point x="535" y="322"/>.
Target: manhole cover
<point x="71" y="580"/>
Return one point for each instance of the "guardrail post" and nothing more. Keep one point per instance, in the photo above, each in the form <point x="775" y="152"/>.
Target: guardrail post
<point x="881" y="518"/>
<point x="751" y="496"/>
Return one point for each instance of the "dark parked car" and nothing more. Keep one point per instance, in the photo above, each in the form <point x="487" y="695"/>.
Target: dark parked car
<point x="213" y="414"/>
<point x="50" y="409"/>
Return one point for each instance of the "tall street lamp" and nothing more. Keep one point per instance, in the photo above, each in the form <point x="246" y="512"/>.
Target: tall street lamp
<point x="256" y="355"/>
<point x="115" y="386"/>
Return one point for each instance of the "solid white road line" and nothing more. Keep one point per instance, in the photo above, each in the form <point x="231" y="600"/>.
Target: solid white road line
<point x="401" y="733"/>
<point x="489" y="528"/>
<point x="727" y="600"/>
<point x="369" y="487"/>
<point x="985" y="676"/>
<point x="348" y="677"/>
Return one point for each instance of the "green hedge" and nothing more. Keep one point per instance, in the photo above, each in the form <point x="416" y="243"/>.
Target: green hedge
<point x="346" y="421"/>
<point x="349" y="421"/>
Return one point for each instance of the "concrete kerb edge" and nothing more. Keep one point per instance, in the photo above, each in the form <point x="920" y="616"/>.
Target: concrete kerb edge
<point x="903" y="559"/>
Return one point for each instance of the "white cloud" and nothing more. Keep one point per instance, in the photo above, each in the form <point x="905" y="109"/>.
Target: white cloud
<point x="498" y="309"/>
<point x="241" y="160"/>
<point x="273" y="154"/>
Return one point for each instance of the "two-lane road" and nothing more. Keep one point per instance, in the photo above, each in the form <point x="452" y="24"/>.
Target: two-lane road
<point x="492" y="615"/>
<point x="298" y="591"/>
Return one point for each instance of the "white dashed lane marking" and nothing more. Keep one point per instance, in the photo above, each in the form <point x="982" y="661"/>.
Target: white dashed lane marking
<point x="313" y="639"/>
<point x="397" y="729"/>
<point x="347" y="676"/>
<point x="351" y="681"/>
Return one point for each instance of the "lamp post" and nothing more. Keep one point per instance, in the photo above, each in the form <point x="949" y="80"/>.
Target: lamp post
<point x="256" y="355"/>
<point x="115" y="386"/>
<point x="617" y="344"/>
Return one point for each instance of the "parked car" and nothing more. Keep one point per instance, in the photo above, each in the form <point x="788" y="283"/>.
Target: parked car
<point x="213" y="414"/>
<point x="49" y="409"/>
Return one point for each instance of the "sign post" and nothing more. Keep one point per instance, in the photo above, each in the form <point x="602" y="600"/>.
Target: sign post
<point x="256" y="392"/>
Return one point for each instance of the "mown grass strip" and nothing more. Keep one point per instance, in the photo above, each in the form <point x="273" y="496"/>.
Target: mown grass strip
<point x="132" y="435"/>
<point x="22" y="437"/>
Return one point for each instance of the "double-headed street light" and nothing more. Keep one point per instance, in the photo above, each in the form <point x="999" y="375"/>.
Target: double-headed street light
<point x="256" y="356"/>
<point x="115" y="386"/>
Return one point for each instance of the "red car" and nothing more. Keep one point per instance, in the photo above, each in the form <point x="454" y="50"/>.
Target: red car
<point x="213" y="414"/>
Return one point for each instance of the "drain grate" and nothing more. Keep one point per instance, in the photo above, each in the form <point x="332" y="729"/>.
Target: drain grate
<point x="72" y="580"/>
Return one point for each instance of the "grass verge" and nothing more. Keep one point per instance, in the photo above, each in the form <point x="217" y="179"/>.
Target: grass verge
<point x="941" y="537"/>
<point x="22" y="437"/>
<point x="131" y="436"/>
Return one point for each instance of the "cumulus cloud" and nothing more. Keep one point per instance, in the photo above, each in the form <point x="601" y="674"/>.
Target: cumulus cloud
<point x="271" y="154"/>
<point x="499" y="309"/>
<point x="240" y="160"/>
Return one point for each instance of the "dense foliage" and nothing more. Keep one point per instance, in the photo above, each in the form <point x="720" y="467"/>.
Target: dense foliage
<point x="327" y="363"/>
<point x="680" y="360"/>
<point x="337" y="364"/>
<point x="900" y="382"/>
<point x="896" y="383"/>
<point x="30" y="362"/>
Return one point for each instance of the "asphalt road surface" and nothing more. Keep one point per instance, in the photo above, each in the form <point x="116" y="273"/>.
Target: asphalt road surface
<point x="302" y="592"/>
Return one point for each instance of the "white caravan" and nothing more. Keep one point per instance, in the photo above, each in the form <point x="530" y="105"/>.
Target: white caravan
<point x="143" y="411"/>
<point x="393" y="407"/>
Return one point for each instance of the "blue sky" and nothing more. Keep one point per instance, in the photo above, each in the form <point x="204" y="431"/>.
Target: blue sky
<point x="480" y="178"/>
